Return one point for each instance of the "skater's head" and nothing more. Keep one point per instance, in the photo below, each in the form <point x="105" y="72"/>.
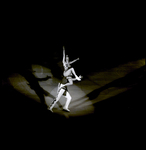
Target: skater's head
<point x="67" y="59"/>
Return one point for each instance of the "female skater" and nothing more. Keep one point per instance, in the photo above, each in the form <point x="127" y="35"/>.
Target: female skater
<point x="66" y="81"/>
<point x="68" y="70"/>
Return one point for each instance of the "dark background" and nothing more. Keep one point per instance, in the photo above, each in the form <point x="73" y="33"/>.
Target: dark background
<point x="102" y="37"/>
<point x="98" y="36"/>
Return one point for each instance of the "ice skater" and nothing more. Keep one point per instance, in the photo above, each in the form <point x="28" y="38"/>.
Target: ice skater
<point x="66" y="81"/>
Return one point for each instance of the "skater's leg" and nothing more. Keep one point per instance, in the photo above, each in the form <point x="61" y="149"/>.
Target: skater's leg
<point x="70" y="82"/>
<point x="71" y="70"/>
<point x="68" y="100"/>
<point x="56" y="99"/>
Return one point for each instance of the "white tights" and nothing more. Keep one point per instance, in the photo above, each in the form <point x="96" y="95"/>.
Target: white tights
<point x="68" y="99"/>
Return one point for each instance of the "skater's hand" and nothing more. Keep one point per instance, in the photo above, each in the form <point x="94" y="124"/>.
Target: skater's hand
<point x="60" y="87"/>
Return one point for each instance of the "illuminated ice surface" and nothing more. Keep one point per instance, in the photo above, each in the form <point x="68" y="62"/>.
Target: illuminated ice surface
<point x="99" y="82"/>
<point x="80" y="105"/>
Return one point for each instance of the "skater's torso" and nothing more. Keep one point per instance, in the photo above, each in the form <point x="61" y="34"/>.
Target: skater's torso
<point x="65" y="79"/>
<point x="66" y="66"/>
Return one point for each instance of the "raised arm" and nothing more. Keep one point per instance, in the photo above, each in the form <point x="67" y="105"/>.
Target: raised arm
<point x="73" y="61"/>
<point x="63" y="55"/>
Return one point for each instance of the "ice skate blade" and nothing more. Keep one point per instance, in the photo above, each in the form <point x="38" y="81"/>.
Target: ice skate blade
<point x="50" y="110"/>
<point x="67" y="110"/>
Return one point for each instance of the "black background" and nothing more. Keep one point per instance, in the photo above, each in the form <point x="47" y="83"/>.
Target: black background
<point x="97" y="34"/>
<point x="101" y="35"/>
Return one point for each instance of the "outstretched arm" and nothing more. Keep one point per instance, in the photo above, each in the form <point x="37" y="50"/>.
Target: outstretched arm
<point x="70" y="82"/>
<point x="73" y="61"/>
<point x="74" y="79"/>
